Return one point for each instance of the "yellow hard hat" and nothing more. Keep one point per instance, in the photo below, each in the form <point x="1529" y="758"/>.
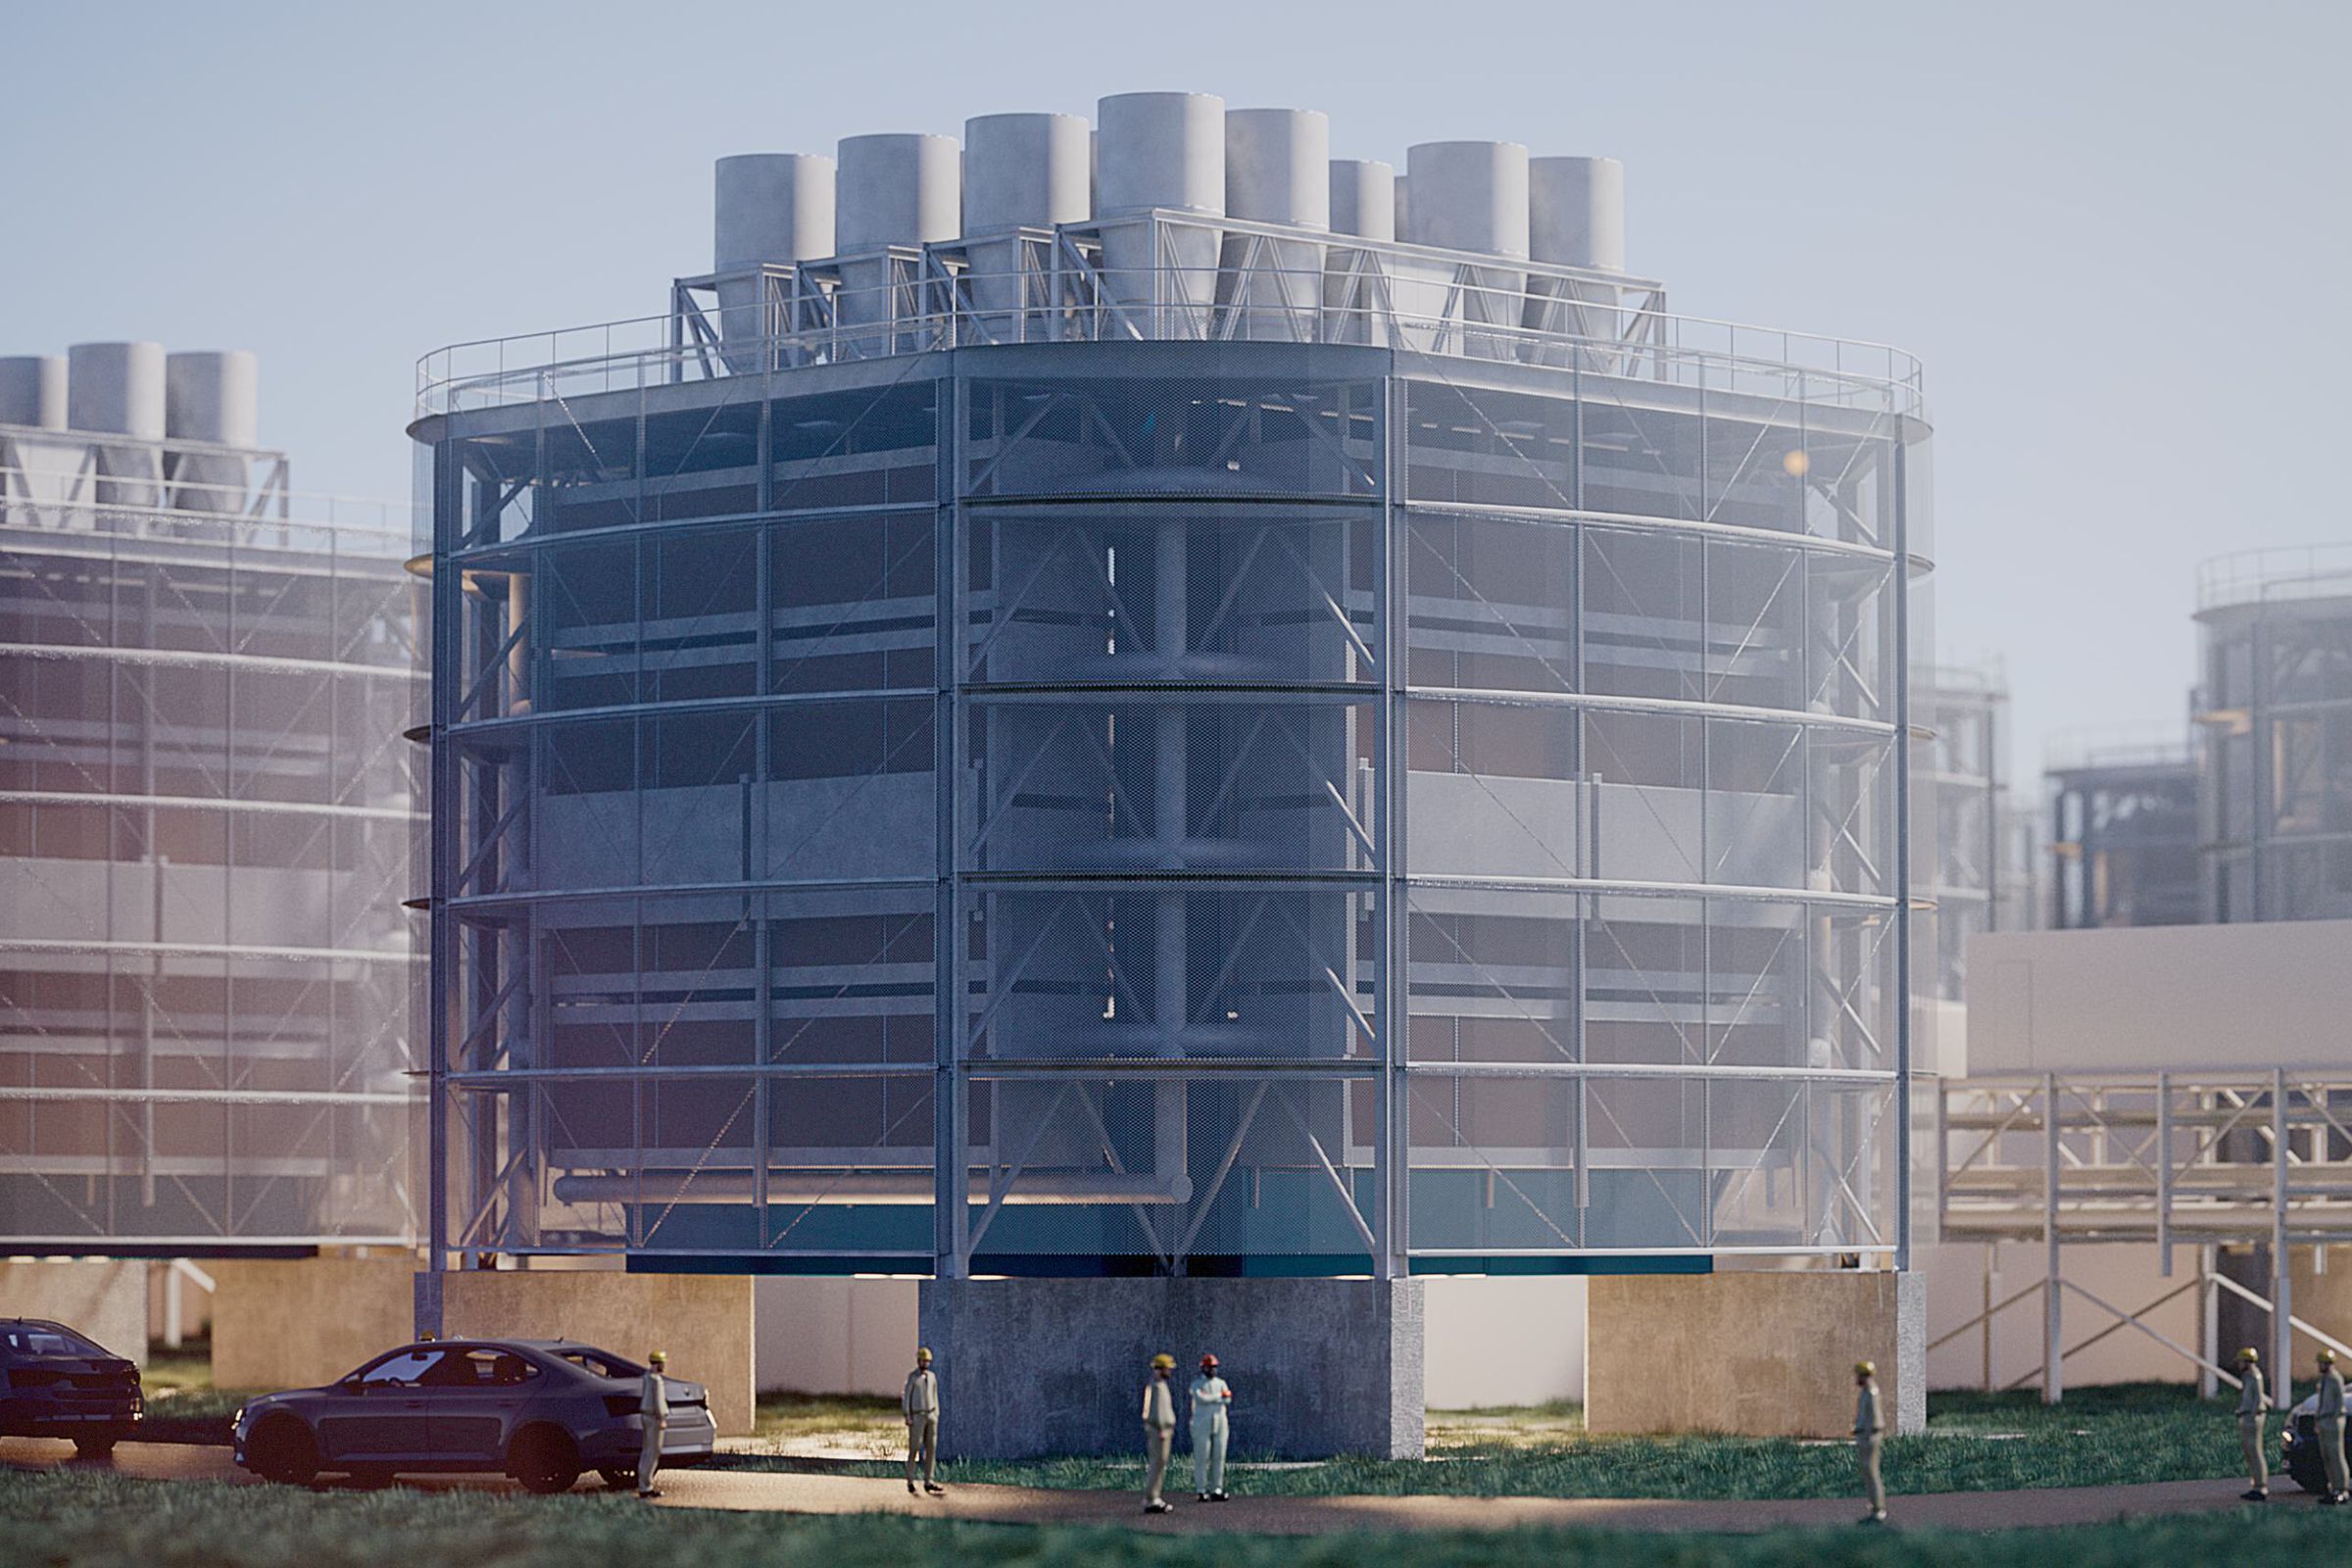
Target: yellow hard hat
<point x="1164" y="1362"/>
<point x="2249" y="1353"/>
<point x="1866" y="1369"/>
<point x="2327" y="1358"/>
<point x="658" y="1358"/>
<point x="923" y="1354"/>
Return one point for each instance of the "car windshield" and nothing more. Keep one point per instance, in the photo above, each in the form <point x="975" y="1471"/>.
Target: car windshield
<point x="44" y="1339"/>
<point x="602" y="1363"/>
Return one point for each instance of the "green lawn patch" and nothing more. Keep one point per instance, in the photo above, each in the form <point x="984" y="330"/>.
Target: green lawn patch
<point x="2099" y="1437"/>
<point x="94" y="1519"/>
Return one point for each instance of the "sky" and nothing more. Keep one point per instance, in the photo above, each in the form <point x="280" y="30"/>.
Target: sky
<point x="2118" y="234"/>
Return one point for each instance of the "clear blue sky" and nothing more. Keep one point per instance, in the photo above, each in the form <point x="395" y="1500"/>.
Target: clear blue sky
<point x="2119" y="234"/>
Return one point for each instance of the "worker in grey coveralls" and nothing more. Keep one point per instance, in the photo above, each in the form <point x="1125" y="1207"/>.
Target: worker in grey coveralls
<point x="1160" y="1431"/>
<point x="1868" y="1427"/>
<point x="1212" y="1399"/>
<point x="2253" y="1399"/>
<point x="919" y="1403"/>
<point x="653" y="1415"/>
<point x="2331" y="1413"/>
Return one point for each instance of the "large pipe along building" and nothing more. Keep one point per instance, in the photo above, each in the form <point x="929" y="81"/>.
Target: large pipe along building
<point x="1162" y="704"/>
<point x="205" y="821"/>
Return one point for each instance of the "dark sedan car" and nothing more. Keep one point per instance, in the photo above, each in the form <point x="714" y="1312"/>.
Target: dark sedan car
<point x="539" y="1410"/>
<point x="56" y="1383"/>
<point x="2299" y="1447"/>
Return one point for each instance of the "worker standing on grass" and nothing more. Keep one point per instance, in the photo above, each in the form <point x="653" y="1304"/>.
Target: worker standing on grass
<point x="919" y="1403"/>
<point x="2252" y="1401"/>
<point x="1868" y="1427"/>
<point x="2331" y="1412"/>
<point x="1211" y="1400"/>
<point x="1160" y="1431"/>
<point x="653" y="1415"/>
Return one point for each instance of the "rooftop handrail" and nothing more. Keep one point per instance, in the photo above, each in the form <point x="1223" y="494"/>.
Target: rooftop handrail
<point x="2274" y="572"/>
<point x="1449" y="303"/>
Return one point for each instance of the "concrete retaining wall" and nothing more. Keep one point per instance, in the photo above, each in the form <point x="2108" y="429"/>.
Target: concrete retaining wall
<point x="1765" y="1355"/>
<point x="704" y="1322"/>
<point x="1318" y="1367"/>
<point x="295" y="1323"/>
<point x="104" y="1300"/>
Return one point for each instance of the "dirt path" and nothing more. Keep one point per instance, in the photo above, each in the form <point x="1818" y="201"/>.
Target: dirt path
<point x="760" y="1492"/>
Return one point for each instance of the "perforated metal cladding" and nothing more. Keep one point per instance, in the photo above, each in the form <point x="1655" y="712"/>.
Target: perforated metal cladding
<point x="1319" y="841"/>
<point x="206" y="809"/>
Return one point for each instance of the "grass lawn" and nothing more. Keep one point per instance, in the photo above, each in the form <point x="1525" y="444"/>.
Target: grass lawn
<point x="92" y="1519"/>
<point x="2099" y="1437"/>
<point x="183" y="1405"/>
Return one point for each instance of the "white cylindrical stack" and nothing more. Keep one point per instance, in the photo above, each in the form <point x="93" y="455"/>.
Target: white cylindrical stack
<point x="1364" y="204"/>
<point x="1277" y="170"/>
<point x="897" y="189"/>
<point x="769" y="208"/>
<point x="32" y="390"/>
<point x="1576" y="218"/>
<point x="118" y="390"/>
<point x="1020" y="171"/>
<point x="215" y="398"/>
<point x="1471" y="196"/>
<point x="1161" y="150"/>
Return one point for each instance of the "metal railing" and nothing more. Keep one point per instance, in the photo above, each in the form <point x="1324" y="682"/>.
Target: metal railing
<point x="262" y="514"/>
<point x="2276" y="572"/>
<point x="1170" y="276"/>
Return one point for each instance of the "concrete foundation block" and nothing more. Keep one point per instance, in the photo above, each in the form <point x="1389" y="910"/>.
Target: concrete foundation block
<point x="296" y="1323"/>
<point x="704" y="1322"/>
<point x="1038" y="1367"/>
<point x="102" y="1299"/>
<point x="1763" y="1354"/>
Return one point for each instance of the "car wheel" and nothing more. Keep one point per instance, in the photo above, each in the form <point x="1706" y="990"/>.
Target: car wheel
<point x="95" y="1445"/>
<point x="545" y="1461"/>
<point x="618" y="1480"/>
<point x="283" y="1450"/>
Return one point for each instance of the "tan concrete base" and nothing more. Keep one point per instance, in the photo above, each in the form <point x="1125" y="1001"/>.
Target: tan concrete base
<point x="704" y="1322"/>
<point x="295" y="1323"/>
<point x="102" y="1299"/>
<point x="1763" y="1354"/>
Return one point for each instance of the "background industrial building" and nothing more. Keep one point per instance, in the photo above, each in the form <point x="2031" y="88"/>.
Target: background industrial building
<point x="206" y="809"/>
<point x="1217" y="729"/>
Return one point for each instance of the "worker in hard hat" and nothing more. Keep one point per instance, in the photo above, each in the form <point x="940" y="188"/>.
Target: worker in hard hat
<point x="653" y="1415"/>
<point x="1870" y="1426"/>
<point x="2253" y="1398"/>
<point x="919" y="1403"/>
<point x="1160" y="1431"/>
<point x="2331" y="1413"/>
<point x="1212" y="1399"/>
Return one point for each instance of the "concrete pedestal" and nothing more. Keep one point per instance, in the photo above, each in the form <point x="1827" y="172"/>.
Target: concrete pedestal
<point x="1763" y="1354"/>
<point x="704" y="1322"/>
<point x="1037" y="1367"/>
<point x="103" y="1298"/>
<point x="295" y="1323"/>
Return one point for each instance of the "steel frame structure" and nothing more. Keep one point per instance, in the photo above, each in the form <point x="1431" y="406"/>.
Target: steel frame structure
<point x="204" y="971"/>
<point x="2185" y="1158"/>
<point x="2274" y="731"/>
<point x="2123" y="836"/>
<point x="1106" y="920"/>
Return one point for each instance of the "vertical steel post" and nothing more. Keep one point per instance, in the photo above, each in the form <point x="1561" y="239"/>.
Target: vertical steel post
<point x="2053" y="1310"/>
<point x="2164" y="1175"/>
<point x="1902" y="863"/>
<point x="2208" y="1327"/>
<point x="2282" y="1289"/>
